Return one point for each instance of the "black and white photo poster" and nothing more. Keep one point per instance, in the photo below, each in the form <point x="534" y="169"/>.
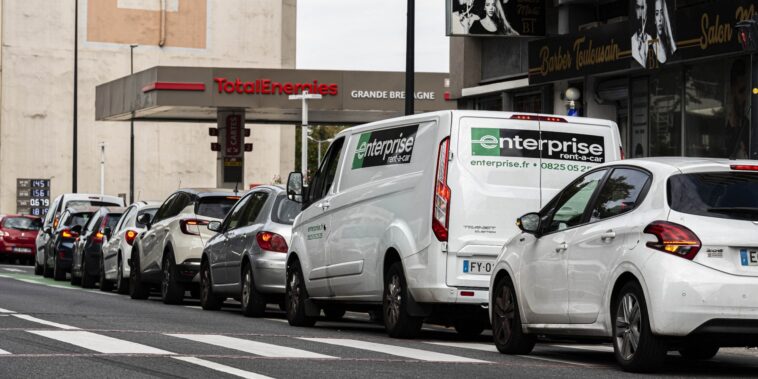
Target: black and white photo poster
<point x="652" y="38"/>
<point x="496" y="17"/>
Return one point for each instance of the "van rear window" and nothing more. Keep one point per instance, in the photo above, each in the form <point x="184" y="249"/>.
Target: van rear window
<point x="730" y="195"/>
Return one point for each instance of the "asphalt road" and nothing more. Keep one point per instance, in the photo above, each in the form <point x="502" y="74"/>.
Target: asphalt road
<point x="50" y="329"/>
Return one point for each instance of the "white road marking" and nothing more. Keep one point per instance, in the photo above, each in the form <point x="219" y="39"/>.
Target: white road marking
<point x="600" y="348"/>
<point x="6" y="311"/>
<point x="45" y="322"/>
<point x="252" y="347"/>
<point x="12" y="269"/>
<point x="554" y="360"/>
<point x="193" y="306"/>
<point x="468" y="345"/>
<point x="4" y="352"/>
<point x="221" y="368"/>
<point x="405" y="352"/>
<point x="100" y="343"/>
<point x="276" y="319"/>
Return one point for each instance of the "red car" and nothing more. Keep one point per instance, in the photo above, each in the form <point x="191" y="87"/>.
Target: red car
<point x="17" y="236"/>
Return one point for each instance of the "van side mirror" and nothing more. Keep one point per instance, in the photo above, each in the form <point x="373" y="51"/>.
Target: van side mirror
<point x="295" y="187"/>
<point x="144" y="219"/>
<point x="214" y="226"/>
<point x="529" y="223"/>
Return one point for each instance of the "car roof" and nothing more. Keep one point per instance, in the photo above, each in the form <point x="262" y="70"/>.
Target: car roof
<point x="204" y="192"/>
<point x="15" y="215"/>
<point x="82" y="209"/>
<point x="684" y="164"/>
<point x="112" y="210"/>
<point x="274" y="187"/>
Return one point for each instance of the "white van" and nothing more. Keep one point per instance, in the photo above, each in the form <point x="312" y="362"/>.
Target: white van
<point x="408" y="215"/>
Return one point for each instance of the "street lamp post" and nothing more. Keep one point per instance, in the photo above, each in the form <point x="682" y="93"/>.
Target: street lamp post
<point x="131" y="131"/>
<point x="304" y="97"/>
<point x="319" y="142"/>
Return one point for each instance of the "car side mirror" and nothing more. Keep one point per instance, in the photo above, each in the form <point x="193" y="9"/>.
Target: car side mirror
<point x="76" y="229"/>
<point x="144" y="219"/>
<point x="214" y="226"/>
<point x="295" y="187"/>
<point x="107" y="231"/>
<point x="47" y="230"/>
<point x="529" y="223"/>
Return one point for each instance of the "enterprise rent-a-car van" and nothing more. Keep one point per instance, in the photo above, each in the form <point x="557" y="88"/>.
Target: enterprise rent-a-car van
<point x="408" y="215"/>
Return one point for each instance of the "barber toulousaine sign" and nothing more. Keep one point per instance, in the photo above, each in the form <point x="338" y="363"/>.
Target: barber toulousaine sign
<point x="385" y="147"/>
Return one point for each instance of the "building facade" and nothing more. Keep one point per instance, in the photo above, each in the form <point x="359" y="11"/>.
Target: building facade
<point x="37" y="92"/>
<point x="671" y="73"/>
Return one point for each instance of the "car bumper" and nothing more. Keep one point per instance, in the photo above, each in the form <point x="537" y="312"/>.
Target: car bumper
<point x="188" y="271"/>
<point x="269" y="275"/>
<point x="685" y="297"/>
<point x="16" y="249"/>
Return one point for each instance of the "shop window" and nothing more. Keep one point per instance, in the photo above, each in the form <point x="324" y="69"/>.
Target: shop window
<point x="665" y="117"/>
<point x="527" y="103"/>
<point x="490" y="103"/>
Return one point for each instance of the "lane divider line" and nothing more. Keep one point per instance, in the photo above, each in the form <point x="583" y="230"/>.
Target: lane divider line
<point x="6" y="311"/>
<point x="4" y="352"/>
<point x="45" y="322"/>
<point x="490" y="348"/>
<point x="221" y="368"/>
<point x="252" y="347"/>
<point x="405" y="352"/>
<point x="599" y="348"/>
<point x="555" y="360"/>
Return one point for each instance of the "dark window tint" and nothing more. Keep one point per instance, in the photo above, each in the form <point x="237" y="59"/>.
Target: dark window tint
<point x="620" y="193"/>
<point x="233" y="218"/>
<point x="215" y="206"/>
<point x="88" y="203"/>
<point x="326" y="173"/>
<point x="113" y="220"/>
<point x="22" y="223"/>
<point x="285" y="210"/>
<point x="165" y="208"/>
<point x="77" y="219"/>
<point x="257" y="201"/>
<point x="570" y="209"/>
<point x="150" y="211"/>
<point x="94" y="222"/>
<point x="731" y="195"/>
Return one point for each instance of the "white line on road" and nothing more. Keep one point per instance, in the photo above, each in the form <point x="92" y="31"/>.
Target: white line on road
<point x="252" y="347"/>
<point x="468" y="345"/>
<point x="6" y="311"/>
<point x="222" y="368"/>
<point x="45" y="322"/>
<point x="600" y="348"/>
<point x="405" y="352"/>
<point x="4" y="352"/>
<point x="276" y="319"/>
<point x="12" y="269"/>
<point x="193" y="306"/>
<point x="554" y="360"/>
<point x="99" y="343"/>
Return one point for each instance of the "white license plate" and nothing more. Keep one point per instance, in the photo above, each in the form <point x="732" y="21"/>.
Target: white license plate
<point x="749" y="257"/>
<point x="22" y="250"/>
<point x="477" y="267"/>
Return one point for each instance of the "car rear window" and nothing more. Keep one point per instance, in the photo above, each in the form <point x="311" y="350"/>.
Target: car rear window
<point x="285" y="210"/>
<point x="215" y="206"/>
<point x="730" y="195"/>
<point x="78" y="219"/>
<point x="90" y="203"/>
<point x="113" y="219"/>
<point x="22" y="223"/>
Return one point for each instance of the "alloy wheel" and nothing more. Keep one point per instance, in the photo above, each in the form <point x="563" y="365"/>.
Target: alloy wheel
<point x="166" y="277"/>
<point x="628" y="326"/>
<point x="246" y="287"/>
<point x="505" y="315"/>
<point x="394" y="300"/>
<point x="294" y="292"/>
<point x="205" y="283"/>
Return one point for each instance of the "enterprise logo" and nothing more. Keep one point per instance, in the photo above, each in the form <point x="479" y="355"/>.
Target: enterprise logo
<point x="532" y="144"/>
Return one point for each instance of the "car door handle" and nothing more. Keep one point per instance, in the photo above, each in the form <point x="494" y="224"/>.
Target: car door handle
<point x="609" y="235"/>
<point x="561" y="247"/>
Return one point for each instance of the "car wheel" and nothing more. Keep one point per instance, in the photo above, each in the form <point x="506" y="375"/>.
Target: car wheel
<point x="105" y="284"/>
<point x="47" y="271"/>
<point x="122" y="284"/>
<point x="296" y="296"/>
<point x="397" y="321"/>
<point x="208" y="300"/>
<point x="37" y="268"/>
<point x="58" y="273"/>
<point x="137" y="289"/>
<point x="468" y="328"/>
<point x="334" y="313"/>
<point x="699" y="351"/>
<point x="634" y="345"/>
<point x="507" y="333"/>
<point x="253" y="302"/>
<point x="171" y="291"/>
<point x="88" y="281"/>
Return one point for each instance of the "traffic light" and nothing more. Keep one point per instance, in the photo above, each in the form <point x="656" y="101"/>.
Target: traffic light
<point x="215" y="146"/>
<point x="747" y="33"/>
<point x="213" y="132"/>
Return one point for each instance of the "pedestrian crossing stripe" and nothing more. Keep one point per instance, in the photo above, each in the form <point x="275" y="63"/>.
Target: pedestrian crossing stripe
<point x="222" y="368"/>
<point x="252" y="347"/>
<point x="4" y="352"/>
<point x="405" y="352"/>
<point x="99" y="342"/>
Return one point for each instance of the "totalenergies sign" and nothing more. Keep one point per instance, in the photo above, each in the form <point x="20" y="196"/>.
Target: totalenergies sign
<point x="272" y="87"/>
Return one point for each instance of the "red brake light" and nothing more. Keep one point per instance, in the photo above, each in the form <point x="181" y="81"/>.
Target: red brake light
<point x="130" y="236"/>
<point x="186" y="223"/>
<point x="674" y="239"/>
<point x="271" y="242"/>
<point x="98" y="237"/>
<point x="529" y="117"/>
<point x="67" y="233"/>
<point x="744" y="167"/>
<point x="441" y="205"/>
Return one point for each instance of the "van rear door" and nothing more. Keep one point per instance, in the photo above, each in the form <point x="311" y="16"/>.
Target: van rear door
<point x="494" y="177"/>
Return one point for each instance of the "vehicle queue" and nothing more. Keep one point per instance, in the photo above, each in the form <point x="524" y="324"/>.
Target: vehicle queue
<point x="412" y="219"/>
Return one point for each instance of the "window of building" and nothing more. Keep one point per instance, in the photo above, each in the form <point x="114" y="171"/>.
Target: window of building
<point x="527" y="102"/>
<point x="665" y="111"/>
<point x="489" y="103"/>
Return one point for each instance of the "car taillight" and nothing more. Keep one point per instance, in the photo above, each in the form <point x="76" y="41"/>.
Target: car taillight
<point x="674" y="239"/>
<point x="441" y="206"/>
<point x="186" y="223"/>
<point x="98" y="237"/>
<point x="67" y="233"/>
<point x="130" y="236"/>
<point x="55" y="222"/>
<point x="531" y="117"/>
<point x="271" y="242"/>
<point x="744" y="167"/>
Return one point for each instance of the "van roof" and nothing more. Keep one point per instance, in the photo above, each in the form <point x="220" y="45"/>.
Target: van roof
<point x="472" y="113"/>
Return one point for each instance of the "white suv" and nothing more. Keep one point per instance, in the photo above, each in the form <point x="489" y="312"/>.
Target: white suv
<point x="652" y="254"/>
<point x="168" y="253"/>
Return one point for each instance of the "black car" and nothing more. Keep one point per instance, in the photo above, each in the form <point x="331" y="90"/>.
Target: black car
<point x="88" y="254"/>
<point x="61" y="245"/>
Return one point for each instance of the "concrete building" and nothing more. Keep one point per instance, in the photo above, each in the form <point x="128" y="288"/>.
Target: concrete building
<point x="36" y="103"/>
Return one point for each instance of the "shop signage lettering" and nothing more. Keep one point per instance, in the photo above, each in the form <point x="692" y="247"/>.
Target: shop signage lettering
<point x="383" y="94"/>
<point x="533" y="144"/>
<point x="272" y="87"/>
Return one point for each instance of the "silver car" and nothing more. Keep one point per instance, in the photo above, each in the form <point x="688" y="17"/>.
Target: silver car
<point x="246" y="259"/>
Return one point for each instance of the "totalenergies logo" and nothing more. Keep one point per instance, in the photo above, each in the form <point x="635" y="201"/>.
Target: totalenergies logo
<point x="272" y="87"/>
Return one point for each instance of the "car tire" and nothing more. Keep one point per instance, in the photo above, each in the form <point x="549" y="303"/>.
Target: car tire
<point x="122" y="284"/>
<point x="296" y="296"/>
<point x="47" y="271"/>
<point x="468" y="328"/>
<point x="699" y="351"/>
<point x="507" y="331"/>
<point x="137" y="289"/>
<point x="253" y="302"/>
<point x="37" y="268"/>
<point x="631" y="326"/>
<point x="88" y="281"/>
<point x="58" y="273"/>
<point x="105" y="284"/>
<point x="397" y="321"/>
<point x="209" y="301"/>
<point x="75" y="280"/>
<point x="172" y="292"/>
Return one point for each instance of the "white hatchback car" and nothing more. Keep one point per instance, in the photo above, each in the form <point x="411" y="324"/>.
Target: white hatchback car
<point x="653" y="254"/>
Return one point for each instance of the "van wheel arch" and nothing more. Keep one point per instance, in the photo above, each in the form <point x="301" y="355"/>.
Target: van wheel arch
<point x="390" y="256"/>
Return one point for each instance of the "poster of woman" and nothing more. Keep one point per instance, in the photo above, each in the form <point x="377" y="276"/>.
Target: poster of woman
<point x="652" y="41"/>
<point x="496" y="17"/>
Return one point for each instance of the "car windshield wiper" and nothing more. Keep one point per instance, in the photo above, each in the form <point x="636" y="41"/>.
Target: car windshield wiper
<point x="750" y="210"/>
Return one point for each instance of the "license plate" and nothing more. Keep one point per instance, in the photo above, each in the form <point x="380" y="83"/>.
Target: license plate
<point x="477" y="267"/>
<point x="749" y="257"/>
<point x="22" y="250"/>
